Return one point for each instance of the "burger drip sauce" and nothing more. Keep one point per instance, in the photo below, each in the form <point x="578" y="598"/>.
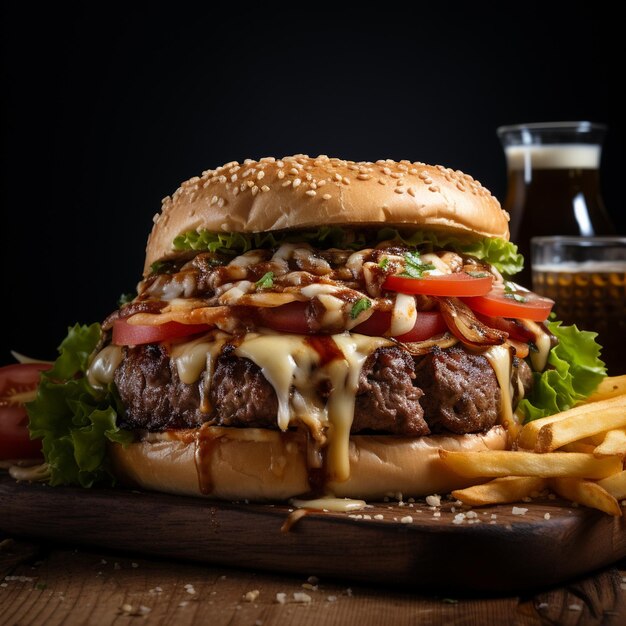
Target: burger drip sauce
<point x="204" y="444"/>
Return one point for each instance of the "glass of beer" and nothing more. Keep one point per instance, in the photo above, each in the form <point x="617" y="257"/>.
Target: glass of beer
<point x="553" y="185"/>
<point x="586" y="277"/>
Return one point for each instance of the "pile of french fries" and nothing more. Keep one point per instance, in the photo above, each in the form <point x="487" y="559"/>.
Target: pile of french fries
<point x="578" y="454"/>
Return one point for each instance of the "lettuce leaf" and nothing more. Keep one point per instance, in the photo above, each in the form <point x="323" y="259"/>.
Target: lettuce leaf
<point x="73" y="419"/>
<point x="500" y="253"/>
<point x="574" y="371"/>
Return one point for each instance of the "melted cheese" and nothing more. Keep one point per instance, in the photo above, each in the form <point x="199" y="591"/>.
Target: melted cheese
<point x="328" y="503"/>
<point x="102" y="368"/>
<point x="539" y="358"/>
<point x="292" y="366"/>
<point x="500" y="359"/>
<point x="403" y="316"/>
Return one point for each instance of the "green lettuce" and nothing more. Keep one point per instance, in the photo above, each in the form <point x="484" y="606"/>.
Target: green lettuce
<point x="74" y="420"/>
<point x="500" y="253"/>
<point x="574" y="371"/>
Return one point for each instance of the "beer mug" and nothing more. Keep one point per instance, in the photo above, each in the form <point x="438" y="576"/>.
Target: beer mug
<point x="586" y="276"/>
<point x="553" y="181"/>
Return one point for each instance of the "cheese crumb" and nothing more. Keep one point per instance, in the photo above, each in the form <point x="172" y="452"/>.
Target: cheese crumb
<point x="407" y="519"/>
<point x="546" y="516"/>
<point x="519" y="510"/>
<point x="251" y="596"/>
<point x="379" y="516"/>
<point x="281" y="598"/>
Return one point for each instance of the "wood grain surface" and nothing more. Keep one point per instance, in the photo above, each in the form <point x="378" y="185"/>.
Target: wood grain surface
<point x="410" y="544"/>
<point x="43" y="584"/>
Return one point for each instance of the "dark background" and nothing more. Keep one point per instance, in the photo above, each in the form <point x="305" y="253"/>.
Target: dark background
<point x="106" y="111"/>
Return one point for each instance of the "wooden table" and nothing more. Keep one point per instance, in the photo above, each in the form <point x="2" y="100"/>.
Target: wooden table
<point x="47" y="583"/>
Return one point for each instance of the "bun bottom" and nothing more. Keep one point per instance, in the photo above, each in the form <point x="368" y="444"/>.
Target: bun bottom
<point x="262" y="465"/>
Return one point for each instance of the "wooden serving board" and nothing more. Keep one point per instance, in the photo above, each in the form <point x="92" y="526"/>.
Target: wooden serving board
<point x="502" y="553"/>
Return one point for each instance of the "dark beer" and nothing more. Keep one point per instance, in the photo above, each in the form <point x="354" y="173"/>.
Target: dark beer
<point x="591" y="295"/>
<point x="554" y="190"/>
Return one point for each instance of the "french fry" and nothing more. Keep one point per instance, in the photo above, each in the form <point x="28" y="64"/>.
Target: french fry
<point x="577" y="424"/>
<point x="615" y="485"/>
<point x="614" y="442"/>
<point x="496" y="463"/>
<point x="610" y="387"/>
<point x="578" y="446"/>
<point x="587" y="493"/>
<point x="527" y="437"/>
<point x="501" y="490"/>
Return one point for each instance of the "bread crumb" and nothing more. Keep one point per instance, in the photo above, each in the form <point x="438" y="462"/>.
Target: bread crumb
<point x="251" y="596"/>
<point x="379" y="516"/>
<point x="300" y="596"/>
<point x="546" y="516"/>
<point x="407" y="519"/>
<point x="331" y="599"/>
<point x="434" y="500"/>
<point x="281" y="598"/>
<point x="519" y="510"/>
<point x="575" y="607"/>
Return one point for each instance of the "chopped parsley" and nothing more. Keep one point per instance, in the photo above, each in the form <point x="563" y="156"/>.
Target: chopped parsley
<point x="266" y="281"/>
<point x="510" y="292"/>
<point x="478" y="274"/>
<point x="413" y="266"/>
<point x="383" y="262"/>
<point x="125" y="298"/>
<point x="362" y="304"/>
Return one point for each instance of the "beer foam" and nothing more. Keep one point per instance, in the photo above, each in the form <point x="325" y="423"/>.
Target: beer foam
<point x="547" y="157"/>
<point x="585" y="267"/>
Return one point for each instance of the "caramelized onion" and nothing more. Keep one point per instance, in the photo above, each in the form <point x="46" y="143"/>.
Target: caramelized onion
<point x="420" y="348"/>
<point x="465" y="325"/>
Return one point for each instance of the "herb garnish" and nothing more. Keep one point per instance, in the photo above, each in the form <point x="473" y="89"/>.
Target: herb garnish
<point x="266" y="281"/>
<point x="413" y="266"/>
<point x="362" y="304"/>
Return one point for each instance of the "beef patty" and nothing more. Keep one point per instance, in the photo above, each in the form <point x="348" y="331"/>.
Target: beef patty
<point x="448" y="390"/>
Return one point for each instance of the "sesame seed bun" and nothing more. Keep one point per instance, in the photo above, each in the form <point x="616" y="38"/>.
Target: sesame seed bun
<point x="262" y="465"/>
<point x="300" y="192"/>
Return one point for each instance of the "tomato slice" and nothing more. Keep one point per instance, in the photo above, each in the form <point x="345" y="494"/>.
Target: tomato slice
<point x="515" y="302"/>
<point x="288" y="318"/>
<point x="18" y="384"/>
<point x="292" y="318"/>
<point x="451" y="285"/>
<point x="125" y="334"/>
<point x="427" y="325"/>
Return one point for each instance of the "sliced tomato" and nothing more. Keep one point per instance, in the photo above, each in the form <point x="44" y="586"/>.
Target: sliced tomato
<point x="515" y="302"/>
<point x="427" y="325"/>
<point x="18" y="384"/>
<point x="451" y="285"/>
<point x="292" y="318"/>
<point x="288" y="318"/>
<point x="125" y="334"/>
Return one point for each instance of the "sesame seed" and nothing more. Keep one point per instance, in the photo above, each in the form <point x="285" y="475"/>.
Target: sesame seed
<point x="411" y="191"/>
<point x="236" y="191"/>
<point x="433" y="188"/>
<point x="286" y="183"/>
<point x="363" y="176"/>
<point x="294" y="171"/>
<point x="397" y="175"/>
<point x="386" y="170"/>
<point x="326" y="196"/>
<point x="255" y="190"/>
<point x="214" y="200"/>
<point x="424" y="175"/>
<point x="413" y="171"/>
<point x="309" y="176"/>
<point x="313" y="185"/>
<point x="222" y="179"/>
<point x="265" y="188"/>
<point x="267" y="160"/>
<point x="381" y="181"/>
<point x="338" y="176"/>
<point x="280" y="164"/>
<point x="321" y="183"/>
<point x="399" y="190"/>
<point x="233" y="178"/>
<point x="296" y="182"/>
<point x="460" y="186"/>
<point x="260" y="175"/>
<point x="311" y="192"/>
<point x="345" y="180"/>
<point x="246" y="173"/>
<point x="221" y="202"/>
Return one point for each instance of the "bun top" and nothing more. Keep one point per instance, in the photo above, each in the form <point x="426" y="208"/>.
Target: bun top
<point x="301" y="192"/>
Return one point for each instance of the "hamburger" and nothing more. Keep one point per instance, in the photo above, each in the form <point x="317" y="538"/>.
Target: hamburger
<point x="305" y="327"/>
